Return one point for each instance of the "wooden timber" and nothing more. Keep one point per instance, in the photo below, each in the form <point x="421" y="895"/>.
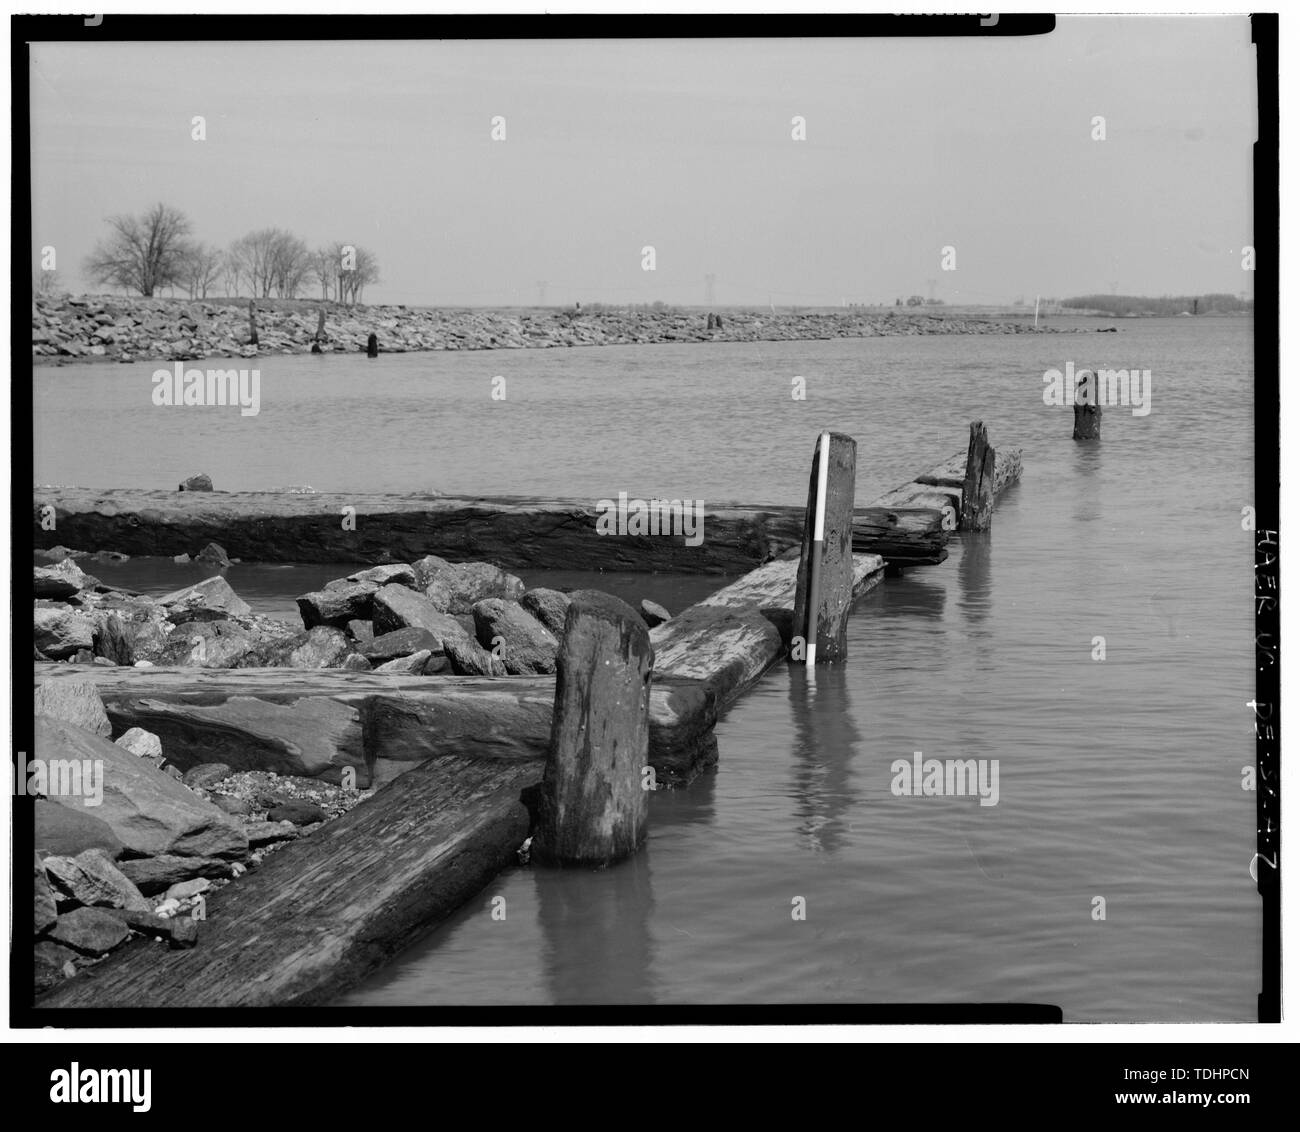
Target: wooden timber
<point x="516" y="532"/>
<point x="322" y="913"/>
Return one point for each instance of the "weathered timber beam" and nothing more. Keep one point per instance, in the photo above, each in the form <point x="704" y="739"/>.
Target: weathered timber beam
<point x="322" y="913"/>
<point x="516" y="532"/>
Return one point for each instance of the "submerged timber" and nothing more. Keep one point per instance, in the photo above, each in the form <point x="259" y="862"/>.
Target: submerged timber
<point x="515" y="532"/>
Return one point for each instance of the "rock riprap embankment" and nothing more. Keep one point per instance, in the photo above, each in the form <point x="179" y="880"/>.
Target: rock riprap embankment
<point x="129" y="329"/>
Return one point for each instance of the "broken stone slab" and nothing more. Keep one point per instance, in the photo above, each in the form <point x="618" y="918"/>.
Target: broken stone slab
<point x="148" y="812"/>
<point x="548" y="606"/>
<point x="89" y="931"/>
<point x="76" y="702"/>
<point x="61" y="632"/>
<point x="209" y="600"/>
<point x="397" y="607"/>
<point x="141" y="743"/>
<point x="66" y="831"/>
<point x="322" y="646"/>
<point x="395" y="574"/>
<point x="152" y="875"/>
<point x="338" y="604"/>
<point x="455" y="587"/>
<point x="91" y="879"/>
<point x="522" y="642"/>
<point x="64" y="580"/>
<point x="179" y="932"/>
<point x="400" y="643"/>
<point x="45" y="910"/>
<point x="653" y="614"/>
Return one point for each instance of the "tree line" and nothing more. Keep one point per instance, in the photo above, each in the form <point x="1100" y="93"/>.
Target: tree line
<point x="1165" y="305"/>
<point x="154" y="251"/>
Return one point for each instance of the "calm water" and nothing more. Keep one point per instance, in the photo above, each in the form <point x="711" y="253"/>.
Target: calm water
<point x="1118" y="778"/>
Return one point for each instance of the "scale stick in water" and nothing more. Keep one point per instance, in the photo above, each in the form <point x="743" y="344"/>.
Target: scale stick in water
<point x="818" y="542"/>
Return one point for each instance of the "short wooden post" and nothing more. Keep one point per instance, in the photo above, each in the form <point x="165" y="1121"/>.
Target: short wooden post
<point x="372" y="346"/>
<point x="320" y="325"/>
<point x="252" y="323"/>
<point x="824" y="589"/>
<point x="977" y="488"/>
<point x="1087" y="407"/>
<point x="593" y="802"/>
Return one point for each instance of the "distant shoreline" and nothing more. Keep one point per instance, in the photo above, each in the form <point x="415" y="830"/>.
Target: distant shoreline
<point x="133" y="329"/>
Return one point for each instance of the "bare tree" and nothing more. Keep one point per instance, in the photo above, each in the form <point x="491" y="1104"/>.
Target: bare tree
<point x="358" y="267"/>
<point x="290" y="264"/>
<point x="201" y="267"/>
<point x="325" y="268"/>
<point x="141" y="253"/>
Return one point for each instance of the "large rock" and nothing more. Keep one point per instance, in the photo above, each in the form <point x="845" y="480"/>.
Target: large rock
<point x="213" y="555"/>
<point x="66" y="831"/>
<point x="455" y="587"/>
<point x="201" y="482"/>
<point x="297" y="810"/>
<point x="53" y="964"/>
<point x="360" y="631"/>
<point x="206" y="775"/>
<point x="402" y="642"/>
<point x="519" y="639"/>
<point x="652" y="613"/>
<point x="399" y="574"/>
<point x="141" y="743"/>
<point x="337" y="604"/>
<point x="152" y="875"/>
<point x="412" y="665"/>
<point x="397" y="607"/>
<point x="548" y="606"/>
<point x="209" y="600"/>
<point x="131" y="629"/>
<point x="45" y="910"/>
<point x="179" y="931"/>
<point x="468" y="658"/>
<point x="322" y="646"/>
<point x="74" y="701"/>
<point x="90" y="878"/>
<point x="61" y="581"/>
<point x="148" y="812"/>
<point x="208" y="644"/>
<point x="61" y="631"/>
<point x="90" y="931"/>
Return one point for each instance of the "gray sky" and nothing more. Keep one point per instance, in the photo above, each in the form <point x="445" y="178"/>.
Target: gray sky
<point x="984" y="145"/>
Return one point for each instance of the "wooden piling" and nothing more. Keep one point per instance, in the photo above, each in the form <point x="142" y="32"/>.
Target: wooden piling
<point x="977" y="488"/>
<point x="372" y="346"/>
<point x="823" y="592"/>
<point x="592" y="805"/>
<point x="252" y="323"/>
<point x="1087" y="408"/>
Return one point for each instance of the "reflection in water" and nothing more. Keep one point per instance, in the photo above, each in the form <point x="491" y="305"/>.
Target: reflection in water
<point x="975" y="579"/>
<point x="596" y="935"/>
<point x="686" y="805"/>
<point x="1085" y="489"/>
<point x="918" y="591"/>
<point x="826" y="739"/>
